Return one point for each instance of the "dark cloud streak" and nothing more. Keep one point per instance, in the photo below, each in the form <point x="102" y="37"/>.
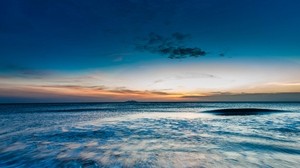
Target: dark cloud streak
<point x="172" y="46"/>
<point x="244" y="97"/>
<point x="19" y="71"/>
<point x="120" y="90"/>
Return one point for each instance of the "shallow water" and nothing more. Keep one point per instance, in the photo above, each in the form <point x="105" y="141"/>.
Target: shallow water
<point x="148" y="135"/>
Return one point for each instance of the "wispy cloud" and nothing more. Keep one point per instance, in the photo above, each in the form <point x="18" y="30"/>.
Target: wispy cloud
<point x="106" y="90"/>
<point x="14" y="70"/>
<point x="192" y="75"/>
<point x="285" y="84"/>
<point x="81" y="93"/>
<point x="172" y="46"/>
<point x="228" y="96"/>
<point x="186" y="76"/>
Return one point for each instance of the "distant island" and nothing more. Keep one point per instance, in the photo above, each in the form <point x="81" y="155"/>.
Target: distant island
<point x="131" y="101"/>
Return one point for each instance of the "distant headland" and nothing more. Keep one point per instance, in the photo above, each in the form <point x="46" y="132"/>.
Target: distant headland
<point x="131" y="101"/>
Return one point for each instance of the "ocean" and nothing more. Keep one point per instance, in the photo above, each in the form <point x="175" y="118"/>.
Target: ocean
<point x="150" y="135"/>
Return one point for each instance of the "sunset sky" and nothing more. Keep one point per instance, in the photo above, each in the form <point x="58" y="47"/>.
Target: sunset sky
<point x="149" y="50"/>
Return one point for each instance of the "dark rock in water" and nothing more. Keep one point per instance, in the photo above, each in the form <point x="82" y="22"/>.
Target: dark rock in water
<point x="242" y="111"/>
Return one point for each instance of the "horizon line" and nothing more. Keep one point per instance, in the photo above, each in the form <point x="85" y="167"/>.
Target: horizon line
<point x="137" y="102"/>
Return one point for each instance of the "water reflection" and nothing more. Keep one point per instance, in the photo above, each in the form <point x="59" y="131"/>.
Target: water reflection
<point x="152" y="139"/>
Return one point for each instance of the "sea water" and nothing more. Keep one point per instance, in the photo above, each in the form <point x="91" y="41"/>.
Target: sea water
<point x="149" y="135"/>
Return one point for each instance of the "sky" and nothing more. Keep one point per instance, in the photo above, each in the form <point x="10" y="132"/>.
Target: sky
<point x="149" y="50"/>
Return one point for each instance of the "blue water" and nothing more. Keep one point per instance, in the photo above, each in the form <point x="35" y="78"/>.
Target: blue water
<point x="148" y="135"/>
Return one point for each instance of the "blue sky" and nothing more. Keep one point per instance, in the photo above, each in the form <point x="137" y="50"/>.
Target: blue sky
<point x="59" y="39"/>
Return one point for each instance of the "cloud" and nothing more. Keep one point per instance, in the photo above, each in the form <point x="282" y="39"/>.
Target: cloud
<point x="222" y="54"/>
<point x="138" y="92"/>
<point x="74" y="93"/>
<point x="64" y="86"/>
<point x="105" y="90"/>
<point x="172" y="46"/>
<point x="179" y="36"/>
<point x="195" y="75"/>
<point x="243" y="97"/>
<point x="158" y="81"/>
<point x="118" y="59"/>
<point x="19" y="71"/>
<point x="185" y="76"/>
<point x="35" y="95"/>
